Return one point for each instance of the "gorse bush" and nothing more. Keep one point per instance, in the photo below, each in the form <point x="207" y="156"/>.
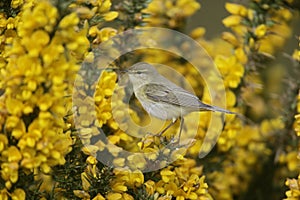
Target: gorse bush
<point x="51" y="149"/>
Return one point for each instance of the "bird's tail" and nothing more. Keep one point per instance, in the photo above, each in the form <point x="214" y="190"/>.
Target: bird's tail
<point x="215" y="109"/>
<point x="222" y="110"/>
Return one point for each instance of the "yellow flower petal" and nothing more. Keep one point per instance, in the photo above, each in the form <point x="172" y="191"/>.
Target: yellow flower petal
<point x="236" y="9"/>
<point x="18" y="194"/>
<point x="230" y="38"/>
<point x="232" y="20"/>
<point x="110" y="15"/>
<point x="261" y="30"/>
<point x="114" y="196"/>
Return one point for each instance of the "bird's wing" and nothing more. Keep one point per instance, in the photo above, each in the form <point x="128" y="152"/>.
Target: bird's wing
<point x="172" y="95"/>
<point x="178" y="96"/>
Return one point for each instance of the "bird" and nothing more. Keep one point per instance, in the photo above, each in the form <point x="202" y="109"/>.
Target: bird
<point x="162" y="98"/>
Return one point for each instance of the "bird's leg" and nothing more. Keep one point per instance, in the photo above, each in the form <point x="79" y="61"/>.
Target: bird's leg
<point x="171" y="124"/>
<point x="181" y="127"/>
<point x="177" y="141"/>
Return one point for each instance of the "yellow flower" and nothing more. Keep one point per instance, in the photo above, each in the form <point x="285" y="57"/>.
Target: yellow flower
<point x="297" y="125"/>
<point x="291" y="158"/>
<point x="3" y="142"/>
<point x="232" y="70"/>
<point x="94" y="8"/>
<point x="127" y="196"/>
<point x="90" y="149"/>
<point x="137" y="161"/>
<point x="4" y="194"/>
<point x="43" y="16"/>
<point x="165" y="197"/>
<point x="294" y="185"/>
<point x="182" y="180"/>
<point x="45" y="102"/>
<point x="171" y="188"/>
<point x="83" y="12"/>
<point x="104" y="5"/>
<point x="114" y="196"/>
<point x="198" y="32"/>
<point x="119" y="162"/>
<point x="284" y="13"/>
<point x="136" y="179"/>
<point x="41" y="39"/>
<point x="16" y="3"/>
<point x="11" y="23"/>
<point x="110" y="15"/>
<point x="81" y="194"/>
<point x="150" y="187"/>
<point x="14" y="106"/>
<point x="18" y="194"/>
<point x="241" y="55"/>
<point x="251" y="13"/>
<point x="91" y="160"/>
<point x="170" y="12"/>
<point x="98" y="197"/>
<point x="37" y="73"/>
<point x="245" y="138"/>
<point x="230" y="98"/>
<point x="269" y="126"/>
<point x="11" y="122"/>
<point x="230" y="38"/>
<point x="125" y="179"/>
<point x="296" y="55"/>
<point x="13" y="154"/>
<point x="69" y="20"/>
<point x="236" y="9"/>
<point x="107" y="82"/>
<point x="261" y="30"/>
<point x="188" y="7"/>
<point x="119" y="186"/>
<point x="101" y="35"/>
<point x="9" y="172"/>
<point x="232" y="20"/>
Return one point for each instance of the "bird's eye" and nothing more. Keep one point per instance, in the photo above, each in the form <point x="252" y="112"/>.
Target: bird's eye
<point x="139" y="72"/>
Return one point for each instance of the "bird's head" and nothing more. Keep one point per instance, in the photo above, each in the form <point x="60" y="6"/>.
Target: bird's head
<point x="141" y="73"/>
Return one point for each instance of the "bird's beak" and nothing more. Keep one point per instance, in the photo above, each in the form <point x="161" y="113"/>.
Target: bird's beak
<point x="112" y="69"/>
<point x="123" y="71"/>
